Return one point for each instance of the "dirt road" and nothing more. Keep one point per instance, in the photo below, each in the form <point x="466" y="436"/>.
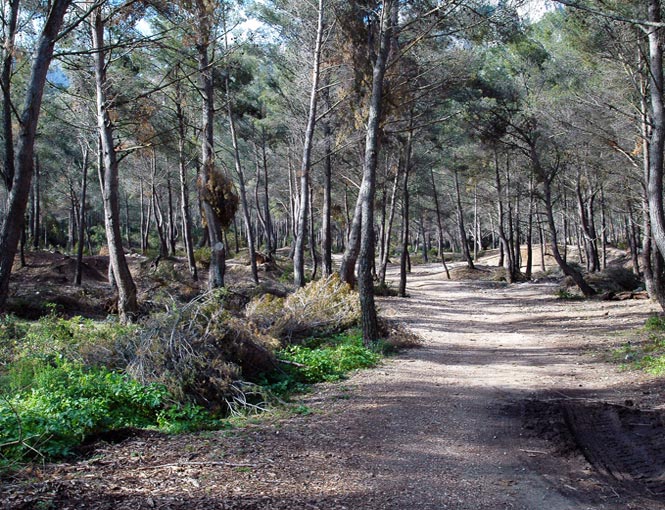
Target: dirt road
<point x="493" y="413"/>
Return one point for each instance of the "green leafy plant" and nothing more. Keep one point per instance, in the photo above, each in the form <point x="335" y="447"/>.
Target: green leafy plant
<point x="328" y="359"/>
<point x="565" y="294"/>
<point x="65" y="403"/>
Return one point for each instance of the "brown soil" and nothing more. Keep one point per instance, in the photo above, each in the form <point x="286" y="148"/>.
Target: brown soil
<point x="510" y="404"/>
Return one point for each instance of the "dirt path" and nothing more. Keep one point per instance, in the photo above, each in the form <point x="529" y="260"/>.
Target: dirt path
<point x="476" y="419"/>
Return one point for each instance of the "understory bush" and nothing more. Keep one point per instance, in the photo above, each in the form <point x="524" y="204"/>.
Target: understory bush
<point x="64" y="402"/>
<point x="319" y="359"/>
<point x="322" y="307"/>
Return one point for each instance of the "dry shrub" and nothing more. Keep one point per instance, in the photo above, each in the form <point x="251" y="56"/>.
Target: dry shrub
<point x="199" y="352"/>
<point x="614" y="279"/>
<point x="263" y="311"/>
<point x="397" y="336"/>
<point x="321" y="307"/>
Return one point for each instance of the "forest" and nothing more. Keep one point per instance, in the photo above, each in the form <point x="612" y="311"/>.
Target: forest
<point x="209" y="206"/>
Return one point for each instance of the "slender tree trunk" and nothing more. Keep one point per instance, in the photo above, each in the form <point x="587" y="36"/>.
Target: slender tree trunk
<point x="347" y="267"/>
<point x="567" y="270"/>
<point x="241" y="183"/>
<point x="312" y="237"/>
<point x="389" y="229"/>
<point x="299" y="254"/>
<point x="270" y="230"/>
<point x="159" y="215"/>
<point x="326" y="229"/>
<point x="439" y="223"/>
<point x="541" y="236"/>
<point x="8" y="169"/>
<point x="36" y="200"/>
<point x="184" y="186"/>
<point x="476" y="227"/>
<point x="172" y="227"/>
<point x="529" y="233"/>
<point x="404" y="261"/>
<point x="366" y="196"/>
<point x="127" y="301"/>
<point x="81" y="234"/>
<point x="460" y="223"/>
<point x="506" y="252"/>
<point x="207" y="173"/>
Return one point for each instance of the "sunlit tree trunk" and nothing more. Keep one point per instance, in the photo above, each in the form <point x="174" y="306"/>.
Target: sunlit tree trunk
<point x="127" y="301"/>
<point x="299" y="253"/>
<point x="367" y="189"/>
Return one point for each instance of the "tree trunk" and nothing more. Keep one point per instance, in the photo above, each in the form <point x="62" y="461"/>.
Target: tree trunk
<point x="529" y="233"/>
<point x="184" y="186"/>
<point x="81" y="234"/>
<point x="312" y="237"/>
<point x="657" y="141"/>
<point x="460" y="223"/>
<point x="9" y="169"/>
<point x="506" y="252"/>
<point x="366" y="196"/>
<point x="347" y="267"/>
<point x="404" y="261"/>
<point x="439" y="223"/>
<point x="36" y="201"/>
<point x="172" y="228"/>
<point x="326" y="230"/>
<point x="567" y="270"/>
<point x="214" y="228"/>
<point x="389" y="229"/>
<point x="241" y="185"/>
<point x="299" y="254"/>
<point x="127" y="302"/>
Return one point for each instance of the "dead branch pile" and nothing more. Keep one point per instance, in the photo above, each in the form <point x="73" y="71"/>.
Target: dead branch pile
<point x="198" y="350"/>
<point x="321" y="307"/>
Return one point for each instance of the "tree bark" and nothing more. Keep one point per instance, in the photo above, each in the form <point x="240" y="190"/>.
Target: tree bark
<point x="207" y="169"/>
<point x="241" y="184"/>
<point x="657" y="141"/>
<point x="326" y="229"/>
<point x="404" y="255"/>
<point x="567" y="270"/>
<point x="506" y="252"/>
<point x="8" y="170"/>
<point x="299" y="253"/>
<point x="460" y="223"/>
<point x="127" y="301"/>
<point x="366" y="196"/>
<point x="184" y="186"/>
<point x="81" y="234"/>
<point x="439" y="224"/>
<point x="389" y="229"/>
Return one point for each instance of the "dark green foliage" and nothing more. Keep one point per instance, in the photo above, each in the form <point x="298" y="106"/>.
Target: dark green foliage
<point x="64" y="403"/>
<point x="320" y="359"/>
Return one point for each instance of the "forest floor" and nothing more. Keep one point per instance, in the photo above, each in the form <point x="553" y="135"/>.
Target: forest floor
<point x="512" y="403"/>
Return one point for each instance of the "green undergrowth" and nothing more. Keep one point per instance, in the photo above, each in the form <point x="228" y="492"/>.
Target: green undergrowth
<point x="647" y="354"/>
<point x="320" y="359"/>
<point x="63" y="382"/>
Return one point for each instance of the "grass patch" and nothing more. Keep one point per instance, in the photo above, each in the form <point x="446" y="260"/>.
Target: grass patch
<point x="647" y="354"/>
<point x="320" y="359"/>
<point x="565" y="294"/>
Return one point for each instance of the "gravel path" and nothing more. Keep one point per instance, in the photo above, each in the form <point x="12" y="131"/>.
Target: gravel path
<point x="473" y="420"/>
